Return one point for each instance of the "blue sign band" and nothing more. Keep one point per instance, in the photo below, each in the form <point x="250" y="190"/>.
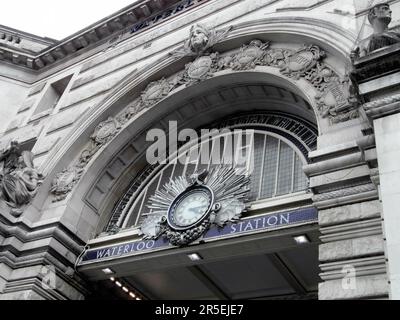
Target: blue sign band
<point x="244" y="227"/>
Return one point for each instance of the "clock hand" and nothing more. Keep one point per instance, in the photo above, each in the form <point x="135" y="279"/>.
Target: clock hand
<point x="195" y="209"/>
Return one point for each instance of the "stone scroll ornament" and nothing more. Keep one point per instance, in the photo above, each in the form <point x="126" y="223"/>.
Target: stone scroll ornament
<point x="336" y="99"/>
<point x="185" y="208"/>
<point x="19" y="179"/>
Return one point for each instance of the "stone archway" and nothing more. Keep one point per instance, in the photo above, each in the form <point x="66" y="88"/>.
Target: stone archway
<point x="299" y="73"/>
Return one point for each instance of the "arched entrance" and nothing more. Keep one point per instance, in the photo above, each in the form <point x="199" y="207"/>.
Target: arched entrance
<point x="289" y="96"/>
<point x="270" y="253"/>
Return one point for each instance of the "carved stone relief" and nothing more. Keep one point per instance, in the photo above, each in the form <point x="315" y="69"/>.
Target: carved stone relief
<point x="228" y="189"/>
<point x="201" y="39"/>
<point x="249" y="55"/>
<point x="201" y="69"/>
<point x="19" y="179"/>
<point x="297" y="64"/>
<point x="64" y="181"/>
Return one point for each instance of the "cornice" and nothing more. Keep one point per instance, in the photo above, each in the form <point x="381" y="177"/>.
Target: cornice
<point x="126" y="22"/>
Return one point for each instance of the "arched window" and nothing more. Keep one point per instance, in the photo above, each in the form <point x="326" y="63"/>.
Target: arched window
<point x="273" y="157"/>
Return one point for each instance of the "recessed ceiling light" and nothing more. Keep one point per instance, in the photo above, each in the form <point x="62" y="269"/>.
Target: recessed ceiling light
<point x="301" y="239"/>
<point x="112" y="279"/>
<point x="195" y="257"/>
<point x="132" y="294"/>
<point x="108" y="271"/>
<point x="138" y="299"/>
<point x="125" y="289"/>
<point x="118" y="283"/>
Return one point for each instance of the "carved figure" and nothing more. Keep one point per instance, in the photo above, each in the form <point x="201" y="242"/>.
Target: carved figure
<point x="200" y="40"/>
<point x="379" y="16"/>
<point x="19" y="179"/>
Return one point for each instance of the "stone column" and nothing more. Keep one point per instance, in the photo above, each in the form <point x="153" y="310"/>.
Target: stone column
<point x="378" y="78"/>
<point x="387" y="132"/>
<point x="37" y="262"/>
<point x="351" y="252"/>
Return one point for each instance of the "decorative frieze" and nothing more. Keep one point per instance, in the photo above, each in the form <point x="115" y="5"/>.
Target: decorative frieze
<point x="383" y="107"/>
<point x="344" y="192"/>
<point x="249" y="56"/>
<point x="64" y="181"/>
<point x="201" y="69"/>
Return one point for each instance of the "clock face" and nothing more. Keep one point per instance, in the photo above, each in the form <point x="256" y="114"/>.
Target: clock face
<point x="190" y="208"/>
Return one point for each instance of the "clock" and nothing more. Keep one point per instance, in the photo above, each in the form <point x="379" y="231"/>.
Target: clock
<point x="190" y="208"/>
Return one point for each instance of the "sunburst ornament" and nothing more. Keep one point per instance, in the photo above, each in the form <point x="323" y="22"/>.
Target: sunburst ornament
<point x="185" y="208"/>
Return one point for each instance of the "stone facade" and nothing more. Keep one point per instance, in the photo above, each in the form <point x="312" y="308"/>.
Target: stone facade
<point x="82" y="106"/>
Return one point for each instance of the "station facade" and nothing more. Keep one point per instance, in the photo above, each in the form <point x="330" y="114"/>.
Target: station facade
<point x="204" y="149"/>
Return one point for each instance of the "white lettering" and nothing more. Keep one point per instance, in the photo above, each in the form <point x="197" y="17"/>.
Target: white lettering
<point x="141" y="246"/>
<point x="150" y="244"/>
<point x="108" y="253"/>
<point x="100" y="254"/>
<point x="156" y="152"/>
<point x="272" y="221"/>
<point x="248" y="227"/>
<point x="285" y="218"/>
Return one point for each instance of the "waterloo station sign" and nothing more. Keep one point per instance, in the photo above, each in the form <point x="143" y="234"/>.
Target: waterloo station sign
<point x="245" y="227"/>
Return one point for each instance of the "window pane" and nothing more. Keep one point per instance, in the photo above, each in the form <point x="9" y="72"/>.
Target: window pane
<point x="270" y="167"/>
<point x="150" y="192"/>
<point x="285" y="169"/>
<point x="135" y="212"/>
<point x="300" y="179"/>
<point x="256" y="175"/>
<point x="166" y="175"/>
<point x="268" y="179"/>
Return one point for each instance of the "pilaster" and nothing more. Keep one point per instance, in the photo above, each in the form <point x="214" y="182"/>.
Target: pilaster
<point x="351" y="253"/>
<point x="378" y="78"/>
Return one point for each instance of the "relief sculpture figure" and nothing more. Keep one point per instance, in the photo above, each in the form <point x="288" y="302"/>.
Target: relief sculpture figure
<point x="19" y="179"/>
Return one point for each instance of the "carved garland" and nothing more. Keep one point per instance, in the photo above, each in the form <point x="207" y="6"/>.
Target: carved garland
<point x="335" y="98"/>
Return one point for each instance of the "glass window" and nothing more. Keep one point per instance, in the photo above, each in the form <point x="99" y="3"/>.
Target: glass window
<point x="277" y="168"/>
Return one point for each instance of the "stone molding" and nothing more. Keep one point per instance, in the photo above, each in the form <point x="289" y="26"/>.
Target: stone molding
<point x="333" y="164"/>
<point x="129" y="21"/>
<point x="350" y="213"/>
<point x="383" y="107"/>
<point x="363" y="267"/>
<point x="343" y="192"/>
<point x="367" y="287"/>
<point x="351" y="248"/>
<point x="352" y="230"/>
<point x="55" y="230"/>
